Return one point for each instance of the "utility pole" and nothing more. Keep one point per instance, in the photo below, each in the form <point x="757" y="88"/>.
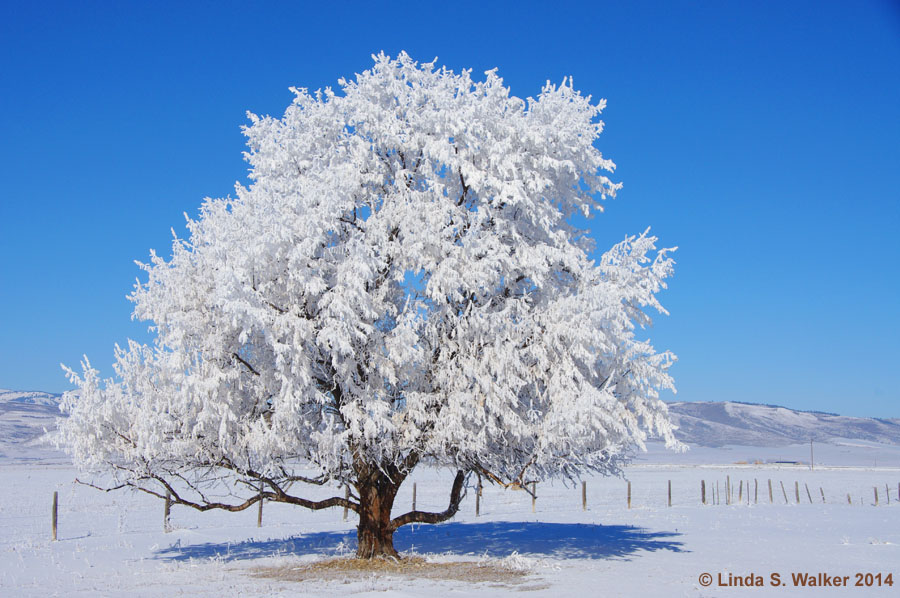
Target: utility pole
<point x="810" y="454"/>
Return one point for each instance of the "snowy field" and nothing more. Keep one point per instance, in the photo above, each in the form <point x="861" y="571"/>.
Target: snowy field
<point x="113" y="544"/>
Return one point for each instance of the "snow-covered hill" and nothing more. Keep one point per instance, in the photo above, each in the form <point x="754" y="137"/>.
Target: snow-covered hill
<point x="724" y="423"/>
<point x="24" y="415"/>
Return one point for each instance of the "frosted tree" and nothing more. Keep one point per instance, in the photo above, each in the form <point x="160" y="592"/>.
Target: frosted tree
<point x="402" y="283"/>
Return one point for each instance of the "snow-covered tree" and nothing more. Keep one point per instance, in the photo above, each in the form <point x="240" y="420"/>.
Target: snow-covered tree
<point x="401" y="283"/>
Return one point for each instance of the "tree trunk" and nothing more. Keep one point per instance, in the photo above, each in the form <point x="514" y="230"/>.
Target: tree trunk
<point x="375" y="534"/>
<point x="377" y="487"/>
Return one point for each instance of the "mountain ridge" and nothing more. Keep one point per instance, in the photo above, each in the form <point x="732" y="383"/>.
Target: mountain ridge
<point x="722" y="423"/>
<point x="25" y="415"/>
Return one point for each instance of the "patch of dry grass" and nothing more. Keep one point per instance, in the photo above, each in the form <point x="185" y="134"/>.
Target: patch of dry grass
<point x="352" y="569"/>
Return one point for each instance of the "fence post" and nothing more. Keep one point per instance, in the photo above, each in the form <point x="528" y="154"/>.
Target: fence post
<point x="166" y="511"/>
<point x="347" y="498"/>
<point x="583" y="496"/>
<point x="629" y="494"/>
<point x="727" y="490"/>
<point x="823" y="494"/>
<point x="849" y="502"/>
<point x="797" y="490"/>
<point x="54" y="513"/>
<point x="876" y="496"/>
<point x="755" y="491"/>
<point x="741" y="491"/>
<point x="718" y="498"/>
<point x="670" y="493"/>
<point x="476" y="498"/>
<point x="259" y="512"/>
<point x="783" y="491"/>
<point x="703" y="491"/>
<point x="771" y="500"/>
<point x="887" y="494"/>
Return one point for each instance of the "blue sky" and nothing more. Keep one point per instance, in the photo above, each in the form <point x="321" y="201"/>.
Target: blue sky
<point x="762" y="138"/>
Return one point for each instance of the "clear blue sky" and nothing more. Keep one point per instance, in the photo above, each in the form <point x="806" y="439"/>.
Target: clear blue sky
<point x="762" y="138"/>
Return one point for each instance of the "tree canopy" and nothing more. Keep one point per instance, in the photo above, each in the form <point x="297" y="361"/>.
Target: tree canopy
<point x="401" y="281"/>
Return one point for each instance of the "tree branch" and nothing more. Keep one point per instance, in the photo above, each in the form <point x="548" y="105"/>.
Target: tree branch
<point x="276" y="495"/>
<point x="456" y="496"/>
<point x="249" y="367"/>
<point x="77" y="481"/>
<point x="465" y="188"/>
<point x="175" y="498"/>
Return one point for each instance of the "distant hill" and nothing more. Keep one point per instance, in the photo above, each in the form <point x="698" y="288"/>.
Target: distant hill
<point x="25" y="415"/>
<point x="725" y="423"/>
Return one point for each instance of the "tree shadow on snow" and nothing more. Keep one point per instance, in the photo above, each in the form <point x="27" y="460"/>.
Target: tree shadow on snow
<point x="496" y="539"/>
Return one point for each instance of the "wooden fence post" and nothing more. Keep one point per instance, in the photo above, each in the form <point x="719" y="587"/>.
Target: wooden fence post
<point x="876" y="496"/>
<point x="703" y="491"/>
<point x="54" y="514"/>
<point x="670" y="493"/>
<point x="755" y="491"/>
<point x="259" y="512"/>
<point x="741" y="491"/>
<point x="718" y="498"/>
<point x="477" y="498"/>
<point x="347" y="498"/>
<point x="583" y="496"/>
<point x="808" y="495"/>
<point x="629" y="494"/>
<point x="727" y="490"/>
<point x="771" y="500"/>
<point x="166" y="511"/>
<point x="887" y="494"/>
<point x="783" y="491"/>
<point x="797" y="490"/>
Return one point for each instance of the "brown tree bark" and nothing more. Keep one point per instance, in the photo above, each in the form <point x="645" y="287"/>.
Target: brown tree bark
<point x="377" y="489"/>
<point x="375" y="532"/>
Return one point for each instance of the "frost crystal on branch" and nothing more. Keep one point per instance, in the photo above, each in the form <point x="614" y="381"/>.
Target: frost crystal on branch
<point x="400" y="282"/>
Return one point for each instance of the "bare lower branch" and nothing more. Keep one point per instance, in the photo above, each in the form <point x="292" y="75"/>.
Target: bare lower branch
<point x="456" y="496"/>
<point x="277" y="494"/>
<point x="519" y="483"/>
<point x="305" y="480"/>
<point x="175" y="498"/>
<point x="77" y="481"/>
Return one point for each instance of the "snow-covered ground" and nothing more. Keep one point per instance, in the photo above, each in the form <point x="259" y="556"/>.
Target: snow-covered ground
<point x="113" y="544"/>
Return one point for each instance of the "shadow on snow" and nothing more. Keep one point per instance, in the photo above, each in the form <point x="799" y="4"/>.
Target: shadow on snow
<point x="496" y="539"/>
